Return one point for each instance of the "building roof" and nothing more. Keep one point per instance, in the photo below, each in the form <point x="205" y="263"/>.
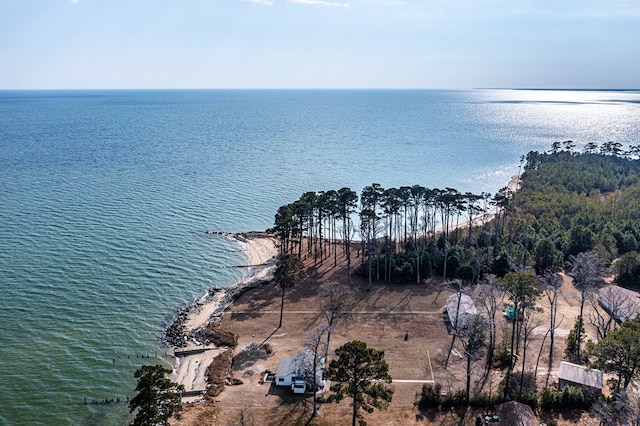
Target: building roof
<point x="286" y="366"/>
<point x="298" y="364"/>
<point x="580" y="374"/>
<point x="621" y="303"/>
<point x="467" y="308"/>
<point x="516" y="414"/>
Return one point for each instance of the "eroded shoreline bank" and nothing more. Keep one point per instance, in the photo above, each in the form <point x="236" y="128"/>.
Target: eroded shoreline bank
<point x="190" y="336"/>
<point x="204" y="312"/>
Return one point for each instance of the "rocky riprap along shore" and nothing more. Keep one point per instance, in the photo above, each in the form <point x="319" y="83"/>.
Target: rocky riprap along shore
<point x="241" y="236"/>
<point x="176" y="334"/>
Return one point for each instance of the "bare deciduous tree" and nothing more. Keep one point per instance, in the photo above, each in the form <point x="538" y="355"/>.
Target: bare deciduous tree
<point x="550" y="283"/>
<point x="456" y="325"/>
<point x="633" y="406"/>
<point x="619" y="411"/>
<point x="616" y="306"/>
<point x="528" y="326"/>
<point x="602" y="319"/>
<point x="473" y="336"/>
<point x="335" y="301"/>
<point x="587" y="271"/>
<point x="491" y="296"/>
<point x="315" y="342"/>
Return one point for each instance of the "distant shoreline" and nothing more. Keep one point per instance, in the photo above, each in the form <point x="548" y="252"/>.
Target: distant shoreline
<point x="555" y="89"/>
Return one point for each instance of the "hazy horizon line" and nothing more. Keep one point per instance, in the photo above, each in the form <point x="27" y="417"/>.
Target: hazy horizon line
<point x="568" y="89"/>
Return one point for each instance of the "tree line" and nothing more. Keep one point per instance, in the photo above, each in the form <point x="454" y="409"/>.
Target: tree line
<point x="402" y="231"/>
<point x="569" y="203"/>
<point x="575" y="211"/>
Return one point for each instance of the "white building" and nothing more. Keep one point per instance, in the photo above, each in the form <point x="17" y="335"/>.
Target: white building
<point x="466" y="312"/>
<point x="297" y="372"/>
<point x="578" y="375"/>
<point x="621" y="303"/>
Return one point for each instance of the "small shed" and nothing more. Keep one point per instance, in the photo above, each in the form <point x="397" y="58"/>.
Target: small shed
<point x="578" y="375"/>
<point x="467" y="309"/>
<point x="296" y="372"/>
<point x="621" y="303"/>
<point x="514" y="413"/>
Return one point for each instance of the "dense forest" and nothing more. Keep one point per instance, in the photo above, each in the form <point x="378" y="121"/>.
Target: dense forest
<point x="568" y="211"/>
<point x="568" y="202"/>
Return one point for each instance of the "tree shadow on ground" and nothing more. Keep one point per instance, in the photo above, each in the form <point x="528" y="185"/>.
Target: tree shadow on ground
<point x="444" y="417"/>
<point x="298" y="408"/>
<point x="428" y="415"/>
<point x="300" y="412"/>
<point x="261" y="299"/>
<point x="250" y="355"/>
<point x="570" y="416"/>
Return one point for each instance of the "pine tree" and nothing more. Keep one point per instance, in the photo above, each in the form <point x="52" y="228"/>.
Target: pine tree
<point x="360" y="372"/>
<point x="575" y="338"/>
<point x="158" y="397"/>
<point x="289" y="270"/>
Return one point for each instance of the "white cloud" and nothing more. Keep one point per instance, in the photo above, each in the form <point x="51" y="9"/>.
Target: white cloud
<point x="382" y="2"/>
<point x="611" y="12"/>
<point x="319" y="3"/>
<point x="265" y="2"/>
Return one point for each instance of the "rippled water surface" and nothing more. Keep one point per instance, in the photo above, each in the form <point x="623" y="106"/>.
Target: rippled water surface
<point x="104" y="197"/>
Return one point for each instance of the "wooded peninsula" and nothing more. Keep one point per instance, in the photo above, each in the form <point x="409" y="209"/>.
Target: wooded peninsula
<point x="523" y="303"/>
<point x="567" y="203"/>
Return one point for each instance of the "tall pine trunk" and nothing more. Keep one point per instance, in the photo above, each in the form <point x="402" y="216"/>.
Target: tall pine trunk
<point x="281" y="308"/>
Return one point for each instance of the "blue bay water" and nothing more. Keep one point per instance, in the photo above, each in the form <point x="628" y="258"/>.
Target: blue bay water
<point x="104" y="196"/>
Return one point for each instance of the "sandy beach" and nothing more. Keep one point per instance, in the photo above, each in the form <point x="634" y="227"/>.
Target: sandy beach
<point x="403" y="320"/>
<point x="193" y="358"/>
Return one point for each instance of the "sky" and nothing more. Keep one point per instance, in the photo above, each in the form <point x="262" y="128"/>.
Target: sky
<point x="437" y="44"/>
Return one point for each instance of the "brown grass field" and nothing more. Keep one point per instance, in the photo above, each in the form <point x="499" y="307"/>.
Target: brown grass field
<point x="381" y="318"/>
